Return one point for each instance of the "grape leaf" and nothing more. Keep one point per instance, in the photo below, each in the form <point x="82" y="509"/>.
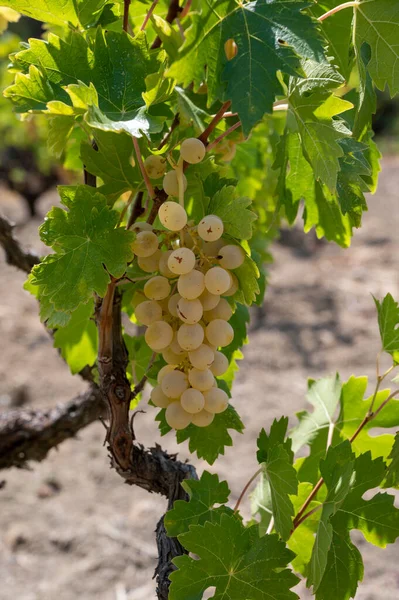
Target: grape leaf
<point x="73" y="13"/>
<point x="269" y="36"/>
<point x="48" y="314"/>
<point x="234" y="560"/>
<point x="392" y="476"/>
<point x="84" y="239"/>
<point x="239" y="322"/>
<point x="302" y="538"/>
<point x="112" y="162"/>
<point x="279" y="475"/>
<point x="120" y="83"/>
<point x="78" y="339"/>
<point x="247" y="275"/>
<point x="324" y="396"/>
<point x="31" y="91"/>
<point x="209" y="442"/>
<point x="204" y="494"/>
<point x="388" y="322"/>
<point x="233" y="211"/>
<point x="337" y="471"/>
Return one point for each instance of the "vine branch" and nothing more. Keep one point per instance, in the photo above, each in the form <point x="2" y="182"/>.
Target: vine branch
<point x="173" y="12"/>
<point x="15" y="256"/>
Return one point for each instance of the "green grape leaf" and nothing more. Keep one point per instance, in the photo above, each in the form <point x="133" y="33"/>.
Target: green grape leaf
<point x="239" y="322"/>
<point x="48" y="314"/>
<point x="337" y="471"/>
<point x="392" y="477"/>
<point x="31" y="91"/>
<point x="84" y="239"/>
<point x="279" y="476"/>
<point x="214" y="183"/>
<point x="324" y="396"/>
<point x="233" y="211"/>
<point x="388" y="322"/>
<point x="112" y="162"/>
<point x="209" y="442"/>
<point x="235" y="561"/>
<point x="140" y="357"/>
<point x="189" y="113"/>
<point x="200" y="509"/>
<point x="120" y="83"/>
<point x="269" y="37"/>
<point x="72" y="13"/>
<point x="78" y="339"/>
<point x="247" y="275"/>
<point x="302" y="538"/>
<point x="367" y="103"/>
<point x="377" y="23"/>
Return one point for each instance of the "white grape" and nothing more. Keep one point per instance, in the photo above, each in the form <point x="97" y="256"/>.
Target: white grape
<point x="162" y="372"/>
<point x="158" y="335"/>
<point x="172" y="304"/>
<point x="149" y="264"/>
<point x="189" y="311"/>
<point x="231" y="256"/>
<point x="190" y="337"/>
<point x="219" y="333"/>
<point x="212" y="248"/>
<point x="192" y="151"/>
<point x="217" y="280"/>
<point x="208" y="300"/>
<point x="181" y="261"/>
<point x="174" y="384"/>
<point x="141" y="226"/>
<point x="171" y="187"/>
<point x="176" y="348"/>
<point x="202" y="419"/>
<point x="172" y="215"/>
<point x="188" y="240"/>
<point x="163" y="265"/>
<point x="145" y="244"/>
<point x="171" y="357"/>
<point x="222" y="311"/>
<point x="191" y="285"/>
<point x="192" y="401"/>
<point x="234" y="286"/>
<point x="158" y="397"/>
<point x="202" y="357"/>
<point x="216" y="400"/>
<point x="201" y="379"/>
<point x="155" y="166"/>
<point x="148" y="312"/>
<point x="210" y="228"/>
<point x="157" y="288"/>
<point x="176" y="417"/>
<point x="220" y="364"/>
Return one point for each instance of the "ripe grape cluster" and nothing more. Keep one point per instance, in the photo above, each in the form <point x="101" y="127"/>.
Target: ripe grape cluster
<point x="184" y="306"/>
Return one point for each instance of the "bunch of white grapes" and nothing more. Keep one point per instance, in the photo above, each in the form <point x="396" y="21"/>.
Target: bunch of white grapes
<point x="184" y="306"/>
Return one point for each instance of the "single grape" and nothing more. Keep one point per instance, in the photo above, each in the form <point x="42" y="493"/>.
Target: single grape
<point x="201" y="380"/>
<point x="220" y="364"/>
<point x="190" y="337"/>
<point x="174" y="384"/>
<point x="192" y="151"/>
<point x="230" y="152"/>
<point x="219" y="333"/>
<point x="148" y="312"/>
<point x="216" y="400"/>
<point x="145" y="244"/>
<point x="210" y="228"/>
<point x="202" y="357"/>
<point x="176" y="348"/>
<point x="155" y="166"/>
<point x="189" y="311"/>
<point x="176" y="417"/>
<point x="188" y="240"/>
<point x="141" y="226"/>
<point x="230" y="49"/>
<point x="222" y="311"/>
<point x="171" y="187"/>
<point x="157" y="288"/>
<point x="234" y="286"/>
<point x="202" y="419"/>
<point x="172" y="304"/>
<point x="162" y="372"/>
<point x="181" y="261"/>
<point x="192" y="401"/>
<point x="208" y="300"/>
<point x="217" y="280"/>
<point x="231" y="256"/>
<point x="158" y="335"/>
<point x="158" y="397"/>
<point x="163" y="264"/>
<point x="212" y="248"/>
<point x="171" y="357"/>
<point x="149" y="264"/>
<point x="191" y="285"/>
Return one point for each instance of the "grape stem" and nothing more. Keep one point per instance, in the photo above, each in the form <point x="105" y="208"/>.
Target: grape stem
<point x="212" y="125"/>
<point x="147" y="181"/>
<point x="338" y="9"/>
<point x="245" y="489"/>
<point x="223" y="135"/>
<point x="173" y="12"/>
<point x="126" y="4"/>
<point x="149" y="14"/>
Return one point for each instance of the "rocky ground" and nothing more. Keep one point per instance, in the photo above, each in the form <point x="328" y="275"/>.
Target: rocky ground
<point x="69" y="528"/>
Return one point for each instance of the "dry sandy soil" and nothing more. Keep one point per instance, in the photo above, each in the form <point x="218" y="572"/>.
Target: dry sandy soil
<point x="69" y="528"/>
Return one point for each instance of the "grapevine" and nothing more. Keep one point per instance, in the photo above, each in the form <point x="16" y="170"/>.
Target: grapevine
<point x="195" y="132"/>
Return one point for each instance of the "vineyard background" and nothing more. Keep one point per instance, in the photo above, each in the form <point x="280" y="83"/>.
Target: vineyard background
<point x="69" y="528"/>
